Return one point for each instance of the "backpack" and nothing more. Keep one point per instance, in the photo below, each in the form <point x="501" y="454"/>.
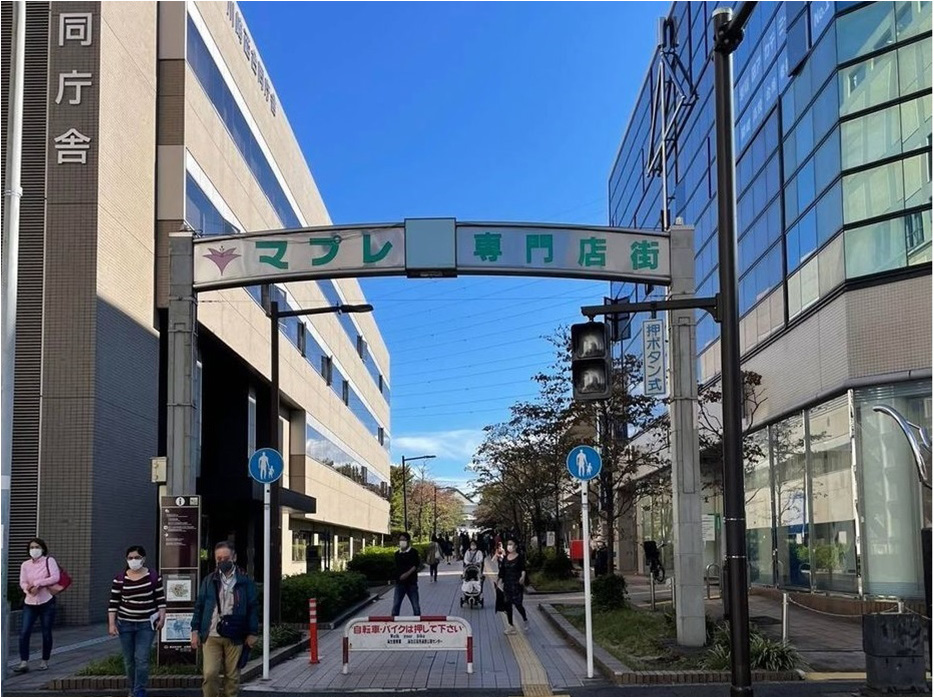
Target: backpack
<point x="64" y="579"/>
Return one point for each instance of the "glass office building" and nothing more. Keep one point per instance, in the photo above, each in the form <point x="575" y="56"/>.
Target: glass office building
<point x="833" y="185"/>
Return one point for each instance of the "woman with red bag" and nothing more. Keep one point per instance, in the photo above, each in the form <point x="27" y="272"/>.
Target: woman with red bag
<point x="37" y="576"/>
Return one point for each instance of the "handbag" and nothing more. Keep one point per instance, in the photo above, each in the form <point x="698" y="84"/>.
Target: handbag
<point x="231" y="626"/>
<point x="64" y="579"/>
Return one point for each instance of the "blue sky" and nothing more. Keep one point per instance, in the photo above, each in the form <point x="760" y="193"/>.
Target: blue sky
<point x="481" y="111"/>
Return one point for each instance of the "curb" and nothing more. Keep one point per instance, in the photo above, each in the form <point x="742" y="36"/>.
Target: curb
<point x="253" y="669"/>
<point x="620" y="674"/>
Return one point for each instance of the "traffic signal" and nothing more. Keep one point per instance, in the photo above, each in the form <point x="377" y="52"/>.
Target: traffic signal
<point x="590" y="361"/>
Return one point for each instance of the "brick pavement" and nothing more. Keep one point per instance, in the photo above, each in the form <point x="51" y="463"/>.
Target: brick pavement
<point x="535" y="663"/>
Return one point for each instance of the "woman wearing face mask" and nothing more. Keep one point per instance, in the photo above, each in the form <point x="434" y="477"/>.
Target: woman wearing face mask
<point x="512" y="582"/>
<point x="136" y="613"/>
<point x="36" y="575"/>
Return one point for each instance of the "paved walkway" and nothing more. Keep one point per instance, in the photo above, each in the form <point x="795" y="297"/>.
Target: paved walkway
<point x="536" y="662"/>
<point x="73" y="647"/>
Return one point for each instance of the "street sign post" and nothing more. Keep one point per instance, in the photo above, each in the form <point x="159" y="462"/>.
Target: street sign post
<point x="584" y="464"/>
<point x="266" y="466"/>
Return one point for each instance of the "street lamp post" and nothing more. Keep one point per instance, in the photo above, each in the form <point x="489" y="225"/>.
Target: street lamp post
<point x="275" y="553"/>
<point x="405" y="490"/>
<point x="728" y="34"/>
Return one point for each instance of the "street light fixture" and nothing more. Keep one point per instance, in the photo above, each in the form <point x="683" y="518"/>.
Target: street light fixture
<point x="405" y="490"/>
<point x="275" y="556"/>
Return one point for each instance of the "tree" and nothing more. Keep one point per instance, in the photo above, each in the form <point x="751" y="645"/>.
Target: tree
<point x="421" y="503"/>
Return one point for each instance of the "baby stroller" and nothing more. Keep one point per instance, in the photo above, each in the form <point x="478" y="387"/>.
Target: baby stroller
<point x="472" y="586"/>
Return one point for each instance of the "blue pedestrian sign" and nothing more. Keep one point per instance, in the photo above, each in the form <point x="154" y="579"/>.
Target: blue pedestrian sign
<point x="584" y="463"/>
<point x="266" y="465"/>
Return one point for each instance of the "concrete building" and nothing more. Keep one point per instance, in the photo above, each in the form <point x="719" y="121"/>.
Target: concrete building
<point x="140" y="118"/>
<point x="833" y="153"/>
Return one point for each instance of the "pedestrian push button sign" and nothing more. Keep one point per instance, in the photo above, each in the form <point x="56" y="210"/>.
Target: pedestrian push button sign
<point x="584" y="463"/>
<point x="266" y="465"/>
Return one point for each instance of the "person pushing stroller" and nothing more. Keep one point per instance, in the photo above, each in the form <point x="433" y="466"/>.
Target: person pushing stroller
<point x="472" y="576"/>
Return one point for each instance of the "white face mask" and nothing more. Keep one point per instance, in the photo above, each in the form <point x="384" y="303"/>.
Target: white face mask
<point x="511" y="548"/>
<point x="35" y="553"/>
<point x="135" y="564"/>
<point x="403" y="545"/>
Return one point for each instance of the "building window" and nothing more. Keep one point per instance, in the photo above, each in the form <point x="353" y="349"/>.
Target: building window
<point x="361" y="347"/>
<point x="758" y="488"/>
<point x="873" y="192"/>
<point x="381" y="435"/>
<point x="302" y="334"/>
<point x="345" y="393"/>
<point x="327" y="369"/>
<point x="891" y="244"/>
<point x="301" y="541"/>
<point x="869" y="83"/>
<point x="912" y="18"/>
<point x="866" y="30"/>
<point x="914" y="67"/>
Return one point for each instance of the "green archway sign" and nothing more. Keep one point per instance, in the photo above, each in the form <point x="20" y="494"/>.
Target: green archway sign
<point x="432" y="247"/>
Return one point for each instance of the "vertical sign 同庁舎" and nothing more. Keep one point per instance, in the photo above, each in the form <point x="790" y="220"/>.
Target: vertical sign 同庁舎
<point x="180" y="560"/>
<point x="653" y="358"/>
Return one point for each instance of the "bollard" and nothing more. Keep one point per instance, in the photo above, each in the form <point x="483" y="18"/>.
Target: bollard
<point x="652" y="589"/>
<point x="784" y="616"/>
<point x="312" y="631"/>
<point x="901" y="606"/>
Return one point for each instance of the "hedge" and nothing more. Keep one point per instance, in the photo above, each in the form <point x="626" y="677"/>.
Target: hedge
<point x="379" y="564"/>
<point x="334" y="591"/>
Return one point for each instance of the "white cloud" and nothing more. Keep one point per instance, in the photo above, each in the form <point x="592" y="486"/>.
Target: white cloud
<point x="457" y="444"/>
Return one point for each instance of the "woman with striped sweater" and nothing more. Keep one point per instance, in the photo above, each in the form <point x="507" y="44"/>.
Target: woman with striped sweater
<point x="136" y="613"/>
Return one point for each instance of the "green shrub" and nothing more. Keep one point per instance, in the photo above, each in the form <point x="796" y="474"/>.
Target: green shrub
<point x="535" y="560"/>
<point x="557" y="564"/>
<point x="334" y="591"/>
<point x="279" y="636"/>
<point x="376" y="564"/>
<point x="608" y="592"/>
<point x="765" y="654"/>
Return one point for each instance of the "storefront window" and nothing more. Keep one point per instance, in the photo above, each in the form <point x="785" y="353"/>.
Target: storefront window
<point x="891" y="500"/>
<point x="833" y="528"/>
<point x="758" y="490"/>
<point x="791" y="510"/>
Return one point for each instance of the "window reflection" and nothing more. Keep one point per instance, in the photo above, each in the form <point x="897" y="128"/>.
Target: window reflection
<point x="833" y="566"/>
<point x="758" y="491"/>
<point x="791" y="509"/>
<point x="865" y="30"/>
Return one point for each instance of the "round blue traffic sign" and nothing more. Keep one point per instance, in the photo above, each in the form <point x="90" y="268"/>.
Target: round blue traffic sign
<point x="266" y="465"/>
<point x="584" y="463"/>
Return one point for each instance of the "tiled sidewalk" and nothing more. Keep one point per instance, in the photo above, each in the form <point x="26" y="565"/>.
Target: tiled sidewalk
<point x="542" y="654"/>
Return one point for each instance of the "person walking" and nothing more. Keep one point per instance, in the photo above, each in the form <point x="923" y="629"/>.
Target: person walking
<point x="37" y="575"/>
<point x="473" y="556"/>
<point x="136" y="613"/>
<point x="512" y="580"/>
<point x="448" y="548"/>
<point x="225" y="622"/>
<point x="407" y="564"/>
<point x="433" y="557"/>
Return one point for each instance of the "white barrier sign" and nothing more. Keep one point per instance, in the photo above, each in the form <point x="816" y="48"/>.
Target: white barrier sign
<point x="403" y="633"/>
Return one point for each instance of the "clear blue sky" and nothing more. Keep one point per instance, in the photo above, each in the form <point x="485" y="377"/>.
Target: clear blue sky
<point x="481" y="111"/>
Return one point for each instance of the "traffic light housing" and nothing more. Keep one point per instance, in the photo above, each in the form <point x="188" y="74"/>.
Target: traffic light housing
<point x="591" y="363"/>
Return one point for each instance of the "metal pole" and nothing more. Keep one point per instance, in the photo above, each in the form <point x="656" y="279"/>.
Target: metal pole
<point x="652" y="588"/>
<point x="405" y="499"/>
<point x="267" y="534"/>
<point x="588" y="614"/>
<point x="12" y="193"/>
<point x="274" y="540"/>
<point x="784" y="616"/>
<point x="726" y="38"/>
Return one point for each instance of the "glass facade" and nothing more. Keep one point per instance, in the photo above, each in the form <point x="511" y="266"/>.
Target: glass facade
<point x="323" y="450"/>
<point x="833" y="157"/>
<point x="833" y="184"/>
<point x="835" y="504"/>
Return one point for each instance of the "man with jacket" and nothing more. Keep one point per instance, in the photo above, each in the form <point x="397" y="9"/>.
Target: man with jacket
<point x="407" y="564"/>
<point x="225" y="621"/>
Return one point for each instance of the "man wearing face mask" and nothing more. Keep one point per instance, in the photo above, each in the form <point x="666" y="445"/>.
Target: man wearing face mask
<point x="407" y="564"/>
<point x="225" y="621"/>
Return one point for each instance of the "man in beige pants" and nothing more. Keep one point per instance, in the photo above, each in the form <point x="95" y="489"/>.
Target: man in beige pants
<point x="225" y="622"/>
